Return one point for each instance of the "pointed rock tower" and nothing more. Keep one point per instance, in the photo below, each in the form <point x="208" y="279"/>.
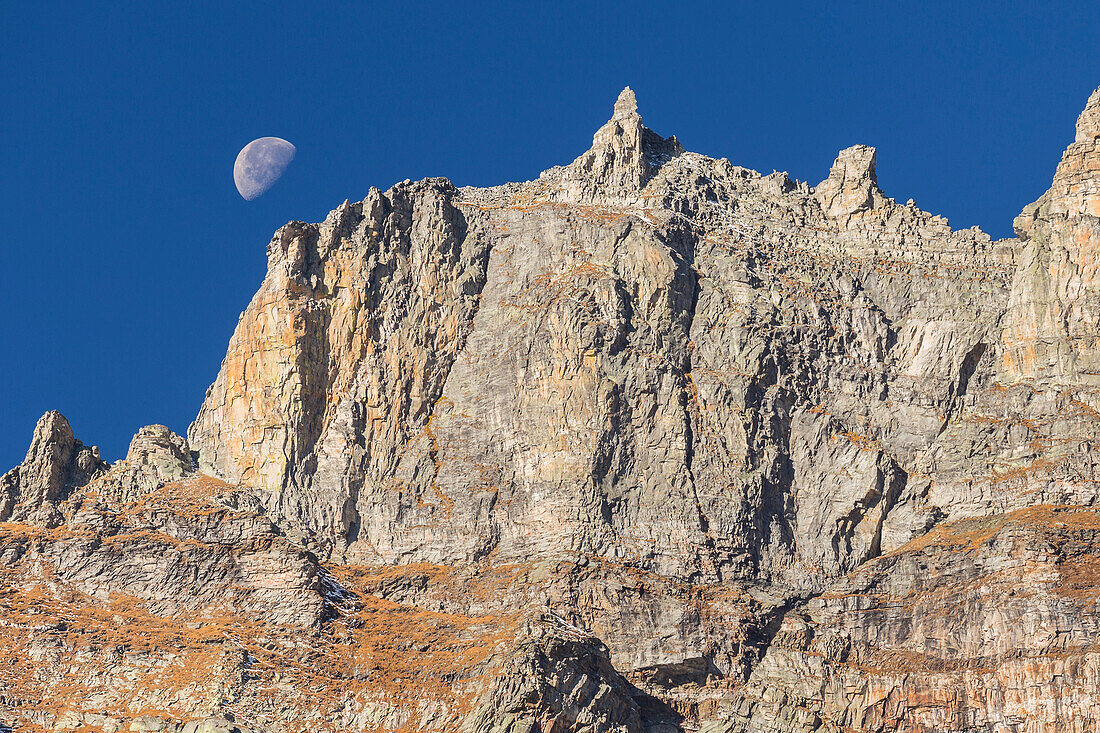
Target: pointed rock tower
<point x="624" y="156"/>
<point x="852" y="185"/>
<point x="56" y="463"/>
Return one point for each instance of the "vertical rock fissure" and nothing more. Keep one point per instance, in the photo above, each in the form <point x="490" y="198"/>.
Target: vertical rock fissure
<point x="690" y="398"/>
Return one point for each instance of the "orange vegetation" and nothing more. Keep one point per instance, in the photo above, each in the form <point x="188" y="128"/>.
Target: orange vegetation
<point x="64" y="651"/>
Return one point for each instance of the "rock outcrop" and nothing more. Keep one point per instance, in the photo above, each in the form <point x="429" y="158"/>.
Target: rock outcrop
<point x="56" y="463"/>
<point x="982" y="624"/>
<point x="1053" y="320"/>
<point x="624" y="155"/>
<point x="558" y="678"/>
<point x="156" y="457"/>
<point x="852" y="185"/>
<point x="729" y="382"/>
<point x="651" y="443"/>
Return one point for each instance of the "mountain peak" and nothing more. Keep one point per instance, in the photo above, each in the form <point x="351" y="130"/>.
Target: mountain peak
<point x="56" y="463"/>
<point x="1075" y="189"/>
<point x="616" y="449"/>
<point x="626" y="105"/>
<point x="624" y="156"/>
<point x="852" y="185"/>
<point x="1088" y="124"/>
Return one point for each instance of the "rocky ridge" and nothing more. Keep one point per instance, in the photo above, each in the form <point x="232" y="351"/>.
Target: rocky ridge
<point x="651" y="443"/>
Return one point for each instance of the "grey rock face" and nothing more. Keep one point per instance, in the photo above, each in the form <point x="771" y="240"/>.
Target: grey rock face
<point x="995" y="607"/>
<point x="202" y="544"/>
<point x="56" y="463"/>
<point x="162" y="450"/>
<point x="156" y="456"/>
<point x="558" y="677"/>
<point x="680" y="363"/>
<point x="651" y="443"/>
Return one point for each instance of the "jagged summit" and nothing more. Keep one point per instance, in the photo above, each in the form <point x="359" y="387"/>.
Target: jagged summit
<point x="624" y="156"/>
<point x="626" y="104"/>
<point x="1052" y="323"/>
<point x="56" y="463"/>
<point x="1088" y="123"/>
<point x="852" y="185"/>
<point x="653" y="444"/>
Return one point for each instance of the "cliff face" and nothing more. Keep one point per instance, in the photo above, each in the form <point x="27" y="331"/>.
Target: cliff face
<point x="1054" y="315"/>
<point x="647" y="355"/>
<point x="651" y="443"/>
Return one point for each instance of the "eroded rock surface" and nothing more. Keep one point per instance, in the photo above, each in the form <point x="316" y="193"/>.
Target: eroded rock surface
<point x="852" y="185"/>
<point x="1053" y="321"/>
<point x="982" y="624"/>
<point x="710" y="373"/>
<point x="56" y="463"/>
<point x="651" y="443"/>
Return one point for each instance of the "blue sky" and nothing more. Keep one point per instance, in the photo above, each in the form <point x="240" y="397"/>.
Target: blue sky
<point x="127" y="253"/>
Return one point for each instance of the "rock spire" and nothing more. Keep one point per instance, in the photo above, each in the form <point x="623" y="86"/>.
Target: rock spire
<point x="56" y="463"/>
<point x="623" y="157"/>
<point x="852" y="185"/>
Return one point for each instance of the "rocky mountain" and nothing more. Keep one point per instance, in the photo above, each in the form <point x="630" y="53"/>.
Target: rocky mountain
<point x="653" y="443"/>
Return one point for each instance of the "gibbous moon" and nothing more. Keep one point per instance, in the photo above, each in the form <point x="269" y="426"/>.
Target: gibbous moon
<point x="260" y="164"/>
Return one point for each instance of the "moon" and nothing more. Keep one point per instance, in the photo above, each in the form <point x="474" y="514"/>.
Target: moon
<point x="260" y="164"/>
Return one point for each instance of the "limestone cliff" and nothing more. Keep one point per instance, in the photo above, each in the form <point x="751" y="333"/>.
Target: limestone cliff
<point x="651" y="443"/>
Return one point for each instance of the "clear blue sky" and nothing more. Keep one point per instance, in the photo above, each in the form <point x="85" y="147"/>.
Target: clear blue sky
<point x="127" y="254"/>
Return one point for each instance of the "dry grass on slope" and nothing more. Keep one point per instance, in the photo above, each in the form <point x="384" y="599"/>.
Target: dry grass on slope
<point x="373" y="663"/>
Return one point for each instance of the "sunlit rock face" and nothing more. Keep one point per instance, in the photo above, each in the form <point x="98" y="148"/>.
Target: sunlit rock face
<point x="1052" y="328"/>
<point x="652" y="443"/>
<point x="646" y="355"/>
<point x="56" y="464"/>
<point x="852" y="185"/>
